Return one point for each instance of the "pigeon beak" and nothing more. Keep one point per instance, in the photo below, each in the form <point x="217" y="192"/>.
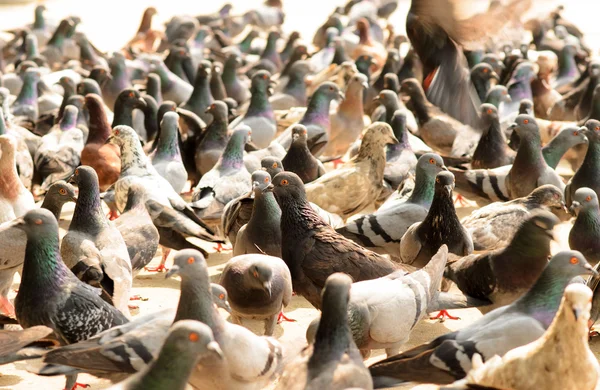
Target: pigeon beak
<point x="494" y="76"/>
<point x="393" y="140"/>
<point x="577" y="312"/>
<point x="270" y="187"/>
<point x="341" y="96"/>
<point x="18" y="223"/>
<point x="255" y="185"/>
<point x="173" y="271"/>
<point x="376" y="99"/>
<point x="507" y="98"/>
<point x="512" y="127"/>
<point x="71" y="179"/>
<point x="365" y="85"/>
<point x="448" y="189"/>
<point x="267" y="286"/>
<point x="227" y="307"/>
<point x="214" y="348"/>
<point x="207" y="111"/>
<point x="591" y="270"/>
<point x="443" y="167"/>
<point x="110" y="140"/>
<point x="140" y="103"/>
<point x="585" y="140"/>
<point x="575" y="207"/>
<point x="295" y="137"/>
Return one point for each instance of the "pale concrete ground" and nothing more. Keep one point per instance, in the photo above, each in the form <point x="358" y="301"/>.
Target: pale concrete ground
<point x="109" y="24"/>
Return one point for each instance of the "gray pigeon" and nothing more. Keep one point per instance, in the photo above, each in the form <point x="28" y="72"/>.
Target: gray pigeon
<point x="299" y="159"/>
<point x="333" y="361"/>
<point x="585" y="233"/>
<point x="166" y="158"/>
<point x="258" y="286"/>
<point x="448" y="357"/>
<point x="187" y="342"/>
<point x="587" y="174"/>
<point x="214" y="138"/>
<point x="93" y="248"/>
<point x="262" y="233"/>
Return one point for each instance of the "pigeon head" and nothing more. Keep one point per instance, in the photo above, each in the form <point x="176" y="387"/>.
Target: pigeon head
<point x="84" y="176"/>
<point x="23" y="66"/>
<point x="31" y="75"/>
<point x="242" y="135"/>
<point x="572" y="136"/>
<point x="594" y="69"/>
<point x="218" y="110"/>
<point x="165" y="107"/>
<point x="584" y="199"/>
<point x="364" y="63"/>
<point x="330" y="34"/>
<point x="87" y="86"/>
<point x="190" y="264"/>
<point x="219" y="297"/>
<point x="570" y="264"/>
<point x="122" y="135"/>
<point x="130" y="97"/>
<point x="444" y="183"/>
<point x="233" y="61"/>
<point x="192" y="338"/>
<point x="328" y="91"/>
<point x="484" y="71"/>
<point x="412" y="88"/>
<point x="526" y="107"/>
<point x="391" y="82"/>
<point x="526" y="127"/>
<point x="69" y="118"/>
<point x="592" y="130"/>
<point x="524" y="72"/>
<point x="261" y="83"/>
<point x="100" y="74"/>
<point x="548" y="195"/>
<point x="300" y="133"/>
<point x="300" y="68"/>
<point x="272" y="165"/>
<point x="170" y="122"/>
<point x="577" y="303"/>
<point x="359" y="80"/>
<point x="336" y="295"/>
<point x="204" y="69"/>
<point x="260" y="276"/>
<point x="378" y="134"/>
<point x="498" y="94"/>
<point x="387" y="98"/>
<point x="37" y="223"/>
<point x="261" y="181"/>
<point x="431" y="163"/>
<point x="494" y="61"/>
<point x="179" y="52"/>
<point x="398" y="124"/>
<point x="288" y="185"/>
<point x="488" y="113"/>
<point x="61" y="192"/>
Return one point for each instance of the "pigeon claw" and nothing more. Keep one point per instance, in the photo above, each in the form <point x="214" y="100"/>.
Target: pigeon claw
<point x="442" y="315"/>
<point x="337" y="162"/>
<point x="281" y="317"/>
<point x="77" y="384"/>
<point x="112" y="215"/>
<point x="138" y="297"/>
<point x="160" y="268"/>
<point x="221" y="248"/>
<point x="461" y="201"/>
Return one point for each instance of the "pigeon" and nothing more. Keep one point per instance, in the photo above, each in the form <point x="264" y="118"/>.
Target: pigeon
<point x="333" y="362"/>
<point x="293" y="93"/>
<point x="400" y="159"/>
<point x="217" y="88"/>
<point x="585" y="232"/>
<point x="360" y="181"/>
<point x="201" y="97"/>
<point x="259" y="116"/>
<point x="127" y="100"/>
<point x="94" y="249"/>
<point x="447" y="357"/>
<point x="250" y="360"/>
<point x="586" y="174"/>
<point x="227" y="180"/>
<point x="14" y="241"/>
<point x="26" y="103"/>
<point x="50" y="295"/>
<point x="503" y="275"/>
<point x="519" y="85"/>
<point x="481" y="75"/>
<point x="299" y="158"/>
<point x="60" y="151"/>
<point x="262" y="233"/>
<point x="347" y="123"/>
<point x="313" y="250"/>
<point x="493" y="226"/>
<point x="316" y="119"/>
<point x="15" y="199"/>
<point x="406" y="298"/>
<point x="118" y="81"/>
<point x="16" y="342"/>
<point x="166" y="158"/>
<point x="187" y="342"/>
<point x="173" y="88"/>
<point x="136" y="167"/>
<point x="258" y="286"/>
<point x="381" y="231"/>
<point x="137" y="229"/>
<point x="498" y="96"/>
<point x="441" y="226"/>
<point x="564" y="140"/>
<point x="233" y="85"/>
<point x="528" y="171"/>
<point x="213" y="142"/>
<point x="564" y="347"/>
<point x="104" y="158"/>
<point x="23" y="152"/>
<point x="492" y="150"/>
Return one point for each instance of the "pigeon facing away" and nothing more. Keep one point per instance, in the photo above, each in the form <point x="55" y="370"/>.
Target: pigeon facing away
<point x="587" y="174"/>
<point x="447" y="358"/>
<point x="493" y="226"/>
<point x="299" y="158"/>
<point x="505" y="274"/>
<point x="585" y="233"/>
<point x="258" y="286"/>
<point x="564" y="347"/>
<point x="166" y="158"/>
<point x="187" y="342"/>
<point x="333" y="362"/>
<point x="312" y="250"/>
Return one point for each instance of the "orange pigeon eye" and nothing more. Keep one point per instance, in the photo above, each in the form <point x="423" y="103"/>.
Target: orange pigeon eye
<point x="588" y="198"/>
<point x="38" y="222"/>
<point x="485" y="70"/>
<point x="437" y="179"/>
<point x="221" y="296"/>
<point x="576" y="132"/>
<point x="255" y="274"/>
<point x="489" y="111"/>
<point x="62" y="191"/>
<point x="284" y="182"/>
<point x="526" y="121"/>
<point x="431" y="161"/>
<point x="190" y="260"/>
<point x="131" y="94"/>
<point x="274" y="165"/>
<point x="116" y="132"/>
<point x="597" y="128"/>
<point x="76" y="172"/>
<point x="574" y="260"/>
<point x="266" y="179"/>
<point x="265" y="76"/>
<point x="193" y="337"/>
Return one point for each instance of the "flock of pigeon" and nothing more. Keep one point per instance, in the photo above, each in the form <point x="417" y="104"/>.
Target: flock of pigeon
<point x="330" y="167"/>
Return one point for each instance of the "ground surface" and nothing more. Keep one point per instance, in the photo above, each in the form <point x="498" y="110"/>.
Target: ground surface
<point x="110" y="24"/>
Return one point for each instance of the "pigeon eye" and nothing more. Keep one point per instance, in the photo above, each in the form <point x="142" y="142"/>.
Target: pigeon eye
<point x="431" y="161"/>
<point x="265" y="77"/>
<point x="574" y="260"/>
<point x="597" y="128"/>
<point x="437" y="180"/>
<point x="131" y="94"/>
<point x="255" y="274"/>
<point x="274" y="165"/>
<point x="191" y="260"/>
<point x="489" y="111"/>
<point x="77" y="172"/>
<point x="193" y="337"/>
<point x="62" y="191"/>
<point x="485" y="70"/>
<point x="526" y="121"/>
<point x="266" y="179"/>
<point x="116" y="132"/>
<point x="38" y="221"/>
<point x="221" y="296"/>
<point x="556" y="196"/>
<point x="284" y="182"/>
<point x="576" y="133"/>
<point x="331" y="88"/>
<point x="588" y="198"/>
